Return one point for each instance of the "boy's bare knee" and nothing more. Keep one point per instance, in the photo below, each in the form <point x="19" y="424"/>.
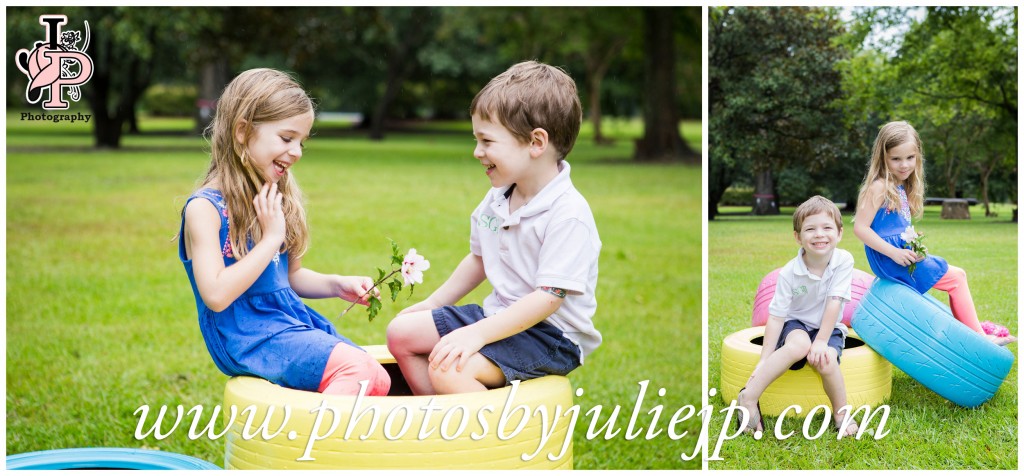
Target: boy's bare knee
<point x="395" y="333"/>
<point x="445" y="381"/>
<point x="477" y="374"/>
<point x="797" y="344"/>
<point x="400" y="331"/>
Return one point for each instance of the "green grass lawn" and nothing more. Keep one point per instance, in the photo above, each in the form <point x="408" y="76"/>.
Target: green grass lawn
<point x="101" y="320"/>
<point x="927" y="431"/>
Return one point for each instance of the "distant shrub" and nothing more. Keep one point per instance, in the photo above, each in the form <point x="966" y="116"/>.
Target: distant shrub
<point x="738" y="196"/>
<point x="170" y="100"/>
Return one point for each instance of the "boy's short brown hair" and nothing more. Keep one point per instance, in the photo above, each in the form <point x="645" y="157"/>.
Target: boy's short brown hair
<point x="813" y="206"/>
<point x="532" y="95"/>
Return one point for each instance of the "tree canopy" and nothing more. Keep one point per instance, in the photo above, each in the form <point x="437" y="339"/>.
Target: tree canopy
<point x="388" y="63"/>
<point x="949" y="71"/>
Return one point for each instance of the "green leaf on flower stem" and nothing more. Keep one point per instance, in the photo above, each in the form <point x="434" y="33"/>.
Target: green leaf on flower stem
<point x="396" y="256"/>
<point x="395" y="286"/>
<point x="380" y="275"/>
<point x="374" y="307"/>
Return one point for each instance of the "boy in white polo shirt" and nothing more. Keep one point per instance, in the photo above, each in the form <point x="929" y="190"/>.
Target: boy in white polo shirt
<point x="533" y="238"/>
<point x="809" y="296"/>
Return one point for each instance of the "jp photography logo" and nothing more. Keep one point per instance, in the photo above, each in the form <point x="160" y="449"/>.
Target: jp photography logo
<point x="56" y="67"/>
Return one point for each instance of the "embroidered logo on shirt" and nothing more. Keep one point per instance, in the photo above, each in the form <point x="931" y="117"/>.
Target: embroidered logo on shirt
<point x="488" y="222"/>
<point x="799" y="291"/>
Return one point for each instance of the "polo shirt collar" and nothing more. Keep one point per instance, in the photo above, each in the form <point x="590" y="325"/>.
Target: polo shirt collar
<point x="542" y="202"/>
<point x="801" y="266"/>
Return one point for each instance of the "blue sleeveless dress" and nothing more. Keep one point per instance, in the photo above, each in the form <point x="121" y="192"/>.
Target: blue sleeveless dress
<point x="889" y="224"/>
<point x="268" y="331"/>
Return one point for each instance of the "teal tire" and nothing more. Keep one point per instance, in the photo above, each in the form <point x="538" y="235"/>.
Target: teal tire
<point x="105" y="458"/>
<point x="919" y="335"/>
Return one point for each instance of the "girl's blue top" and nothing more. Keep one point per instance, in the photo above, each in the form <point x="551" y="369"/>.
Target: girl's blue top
<point x="268" y="331"/>
<point x="889" y="224"/>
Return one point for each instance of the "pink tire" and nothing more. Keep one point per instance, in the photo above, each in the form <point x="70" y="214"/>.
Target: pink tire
<point x="859" y="285"/>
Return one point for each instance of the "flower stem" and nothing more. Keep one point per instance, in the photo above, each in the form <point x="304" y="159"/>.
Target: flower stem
<point x="378" y="283"/>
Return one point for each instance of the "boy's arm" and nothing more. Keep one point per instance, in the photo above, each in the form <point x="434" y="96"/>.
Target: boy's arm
<point x="837" y="294"/>
<point x="818" y="355"/>
<point x="466" y="277"/>
<point x="462" y="343"/>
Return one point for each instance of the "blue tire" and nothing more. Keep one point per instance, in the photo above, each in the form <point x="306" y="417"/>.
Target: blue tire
<point x="105" y="458"/>
<point x="919" y="335"/>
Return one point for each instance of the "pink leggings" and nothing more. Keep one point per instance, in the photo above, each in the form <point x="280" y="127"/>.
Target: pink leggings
<point x="347" y="366"/>
<point x="954" y="282"/>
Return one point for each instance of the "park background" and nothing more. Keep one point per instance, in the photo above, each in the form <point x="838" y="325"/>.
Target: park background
<point x="796" y="97"/>
<point x="100" y="318"/>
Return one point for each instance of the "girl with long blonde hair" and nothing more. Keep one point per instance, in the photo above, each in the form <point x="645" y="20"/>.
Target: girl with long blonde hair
<point x="890" y="197"/>
<point x="242" y="239"/>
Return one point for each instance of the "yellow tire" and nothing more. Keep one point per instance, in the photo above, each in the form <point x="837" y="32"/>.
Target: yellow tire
<point x="868" y="377"/>
<point x="385" y="445"/>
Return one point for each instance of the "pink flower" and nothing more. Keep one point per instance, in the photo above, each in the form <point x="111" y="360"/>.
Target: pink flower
<point x="413" y="266"/>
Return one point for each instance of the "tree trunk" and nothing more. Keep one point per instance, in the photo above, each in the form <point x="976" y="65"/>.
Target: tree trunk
<point x="985" y="174"/>
<point x="661" y="140"/>
<point x="213" y="77"/>
<point x="597" y="68"/>
<point x="394" y="84"/>
<point x="132" y="121"/>
<point x="595" y="109"/>
<point x="412" y="36"/>
<point x="765" y="200"/>
<point x="851" y="205"/>
<point x="719" y="179"/>
<point x="106" y="128"/>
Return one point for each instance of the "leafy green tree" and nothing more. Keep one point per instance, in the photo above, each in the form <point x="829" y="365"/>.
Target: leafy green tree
<point x="774" y="97"/>
<point x="596" y="38"/>
<point x="129" y="47"/>
<point x="958" y="70"/>
<point x="953" y="75"/>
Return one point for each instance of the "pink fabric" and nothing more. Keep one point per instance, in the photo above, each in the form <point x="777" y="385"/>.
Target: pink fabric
<point x="347" y="366"/>
<point x="954" y="282"/>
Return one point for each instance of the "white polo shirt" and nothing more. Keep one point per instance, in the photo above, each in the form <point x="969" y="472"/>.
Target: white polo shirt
<point x="550" y="241"/>
<point x="801" y="295"/>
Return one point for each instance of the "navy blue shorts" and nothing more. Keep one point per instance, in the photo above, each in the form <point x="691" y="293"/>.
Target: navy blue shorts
<point x="836" y="341"/>
<point x="538" y="351"/>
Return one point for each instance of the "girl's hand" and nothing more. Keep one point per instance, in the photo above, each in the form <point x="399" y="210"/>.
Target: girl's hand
<point x="355" y="289"/>
<point x="904" y="257"/>
<point x="269" y="213"/>
<point x="455" y="348"/>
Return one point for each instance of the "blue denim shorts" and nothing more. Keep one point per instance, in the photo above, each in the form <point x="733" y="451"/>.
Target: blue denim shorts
<point x="836" y="341"/>
<point x="538" y="351"/>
